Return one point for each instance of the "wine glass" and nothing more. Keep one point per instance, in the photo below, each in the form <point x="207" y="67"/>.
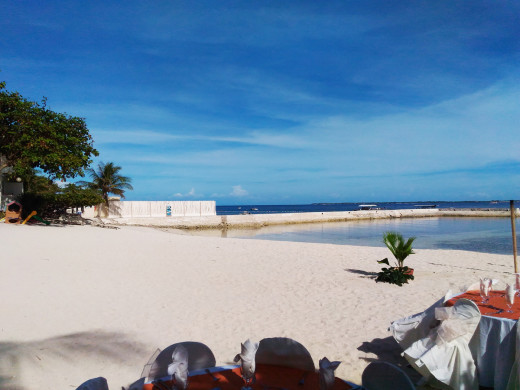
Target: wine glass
<point x="484" y="290"/>
<point x="517" y="283"/>
<point x="510" y="298"/>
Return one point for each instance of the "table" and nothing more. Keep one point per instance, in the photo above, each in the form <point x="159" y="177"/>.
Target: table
<point x="268" y="377"/>
<point x="494" y="342"/>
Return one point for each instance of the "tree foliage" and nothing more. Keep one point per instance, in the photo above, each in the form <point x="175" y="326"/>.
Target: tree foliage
<point x="33" y="136"/>
<point x="107" y="180"/>
<point x="48" y="199"/>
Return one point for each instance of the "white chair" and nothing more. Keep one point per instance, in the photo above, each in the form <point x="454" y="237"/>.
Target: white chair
<point x="443" y="357"/>
<point x="514" y="377"/>
<point x="415" y="327"/>
<point x="385" y="376"/>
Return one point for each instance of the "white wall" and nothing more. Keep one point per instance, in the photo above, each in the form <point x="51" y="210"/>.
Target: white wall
<point x="128" y="209"/>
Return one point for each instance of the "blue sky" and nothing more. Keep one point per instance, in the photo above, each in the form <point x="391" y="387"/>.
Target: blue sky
<point x="280" y="102"/>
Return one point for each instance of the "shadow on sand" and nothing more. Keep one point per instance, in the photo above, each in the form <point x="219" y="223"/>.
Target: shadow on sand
<point x="387" y="350"/>
<point x="365" y="274"/>
<point x="19" y="359"/>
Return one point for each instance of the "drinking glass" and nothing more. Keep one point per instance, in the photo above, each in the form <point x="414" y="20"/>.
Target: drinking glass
<point x="484" y="290"/>
<point x="510" y="304"/>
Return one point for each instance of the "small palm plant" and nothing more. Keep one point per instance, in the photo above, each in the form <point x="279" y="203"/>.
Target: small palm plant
<point x="401" y="249"/>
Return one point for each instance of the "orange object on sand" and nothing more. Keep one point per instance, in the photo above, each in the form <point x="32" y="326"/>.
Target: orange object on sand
<point x="33" y="213"/>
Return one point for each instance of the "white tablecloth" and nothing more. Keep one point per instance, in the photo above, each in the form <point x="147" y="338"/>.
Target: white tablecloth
<point x="493" y="349"/>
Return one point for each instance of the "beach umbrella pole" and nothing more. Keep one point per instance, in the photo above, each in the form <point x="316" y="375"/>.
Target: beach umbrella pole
<point x="513" y="229"/>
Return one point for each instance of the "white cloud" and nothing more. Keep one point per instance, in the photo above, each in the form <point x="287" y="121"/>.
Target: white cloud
<point x="146" y="137"/>
<point x="239" y="191"/>
<point x="190" y="194"/>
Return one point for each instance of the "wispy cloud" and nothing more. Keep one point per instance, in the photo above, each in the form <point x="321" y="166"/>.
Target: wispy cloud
<point x="190" y="194"/>
<point x="239" y="191"/>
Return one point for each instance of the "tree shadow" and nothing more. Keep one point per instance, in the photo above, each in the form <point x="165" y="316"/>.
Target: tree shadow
<point x="17" y="358"/>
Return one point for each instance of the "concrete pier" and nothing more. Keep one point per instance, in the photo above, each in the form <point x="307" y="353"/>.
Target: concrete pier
<point x="260" y="220"/>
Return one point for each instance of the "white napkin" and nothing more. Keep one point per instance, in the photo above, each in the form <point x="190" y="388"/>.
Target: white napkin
<point x="443" y="313"/>
<point x="178" y="368"/>
<point x="247" y="357"/>
<point x="484" y="286"/>
<point x="510" y="294"/>
<point x="326" y="373"/>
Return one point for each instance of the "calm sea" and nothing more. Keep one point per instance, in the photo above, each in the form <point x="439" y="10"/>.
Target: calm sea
<point x="490" y="235"/>
<point x="323" y="207"/>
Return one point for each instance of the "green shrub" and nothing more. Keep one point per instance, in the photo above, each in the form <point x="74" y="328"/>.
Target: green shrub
<point x="394" y="275"/>
<point x="401" y="249"/>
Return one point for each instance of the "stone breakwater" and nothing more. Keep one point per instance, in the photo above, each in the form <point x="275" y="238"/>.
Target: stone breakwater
<point x="260" y="220"/>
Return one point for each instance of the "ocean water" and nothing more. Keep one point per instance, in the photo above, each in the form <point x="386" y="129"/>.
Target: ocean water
<point x="489" y="235"/>
<point x="324" y="207"/>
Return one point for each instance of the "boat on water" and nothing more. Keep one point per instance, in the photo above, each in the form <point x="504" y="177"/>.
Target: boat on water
<point x="369" y="207"/>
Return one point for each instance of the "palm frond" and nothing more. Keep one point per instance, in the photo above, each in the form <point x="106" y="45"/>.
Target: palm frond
<point x="397" y="245"/>
<point x="106" y="178"/>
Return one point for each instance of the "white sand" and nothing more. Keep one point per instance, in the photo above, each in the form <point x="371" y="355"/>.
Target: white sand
<point x="80" y="302"/>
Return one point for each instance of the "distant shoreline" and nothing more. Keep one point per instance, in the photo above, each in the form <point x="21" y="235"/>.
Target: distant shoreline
<point x="249" y="221"/>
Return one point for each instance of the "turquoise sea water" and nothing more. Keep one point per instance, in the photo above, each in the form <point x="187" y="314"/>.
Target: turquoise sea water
<point x="489" y="235"/>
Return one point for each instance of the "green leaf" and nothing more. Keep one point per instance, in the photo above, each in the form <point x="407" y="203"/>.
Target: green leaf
<point x="384" y="261"/>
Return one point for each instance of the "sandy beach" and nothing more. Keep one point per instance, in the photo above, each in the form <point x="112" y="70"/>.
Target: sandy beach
<point x="81" y="301"/>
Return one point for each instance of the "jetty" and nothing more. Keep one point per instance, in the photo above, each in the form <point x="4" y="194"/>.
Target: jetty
<point x="248" y="221"/>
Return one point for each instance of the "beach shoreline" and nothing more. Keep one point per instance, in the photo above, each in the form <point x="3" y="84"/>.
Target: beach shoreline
<point x="84" y="302"/>
<point x="249" y="221"/>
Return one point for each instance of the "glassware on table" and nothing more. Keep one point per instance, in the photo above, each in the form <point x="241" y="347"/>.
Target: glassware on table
<point x="484" y="289"/>
<point x="517" y="283"/>
<point x="510" y="297"/>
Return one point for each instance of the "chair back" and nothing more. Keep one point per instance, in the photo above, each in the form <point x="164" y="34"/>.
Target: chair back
<point x="199" y="358"/>
<point x="285" y="352"/>
<point x="463" y="322"/>
<point x="385" y="376"/>
<point x="99" y="383"/>
<point x="412" y="328"/>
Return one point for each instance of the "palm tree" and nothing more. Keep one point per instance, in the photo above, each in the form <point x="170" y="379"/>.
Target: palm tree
<point x="108" y="180"/>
